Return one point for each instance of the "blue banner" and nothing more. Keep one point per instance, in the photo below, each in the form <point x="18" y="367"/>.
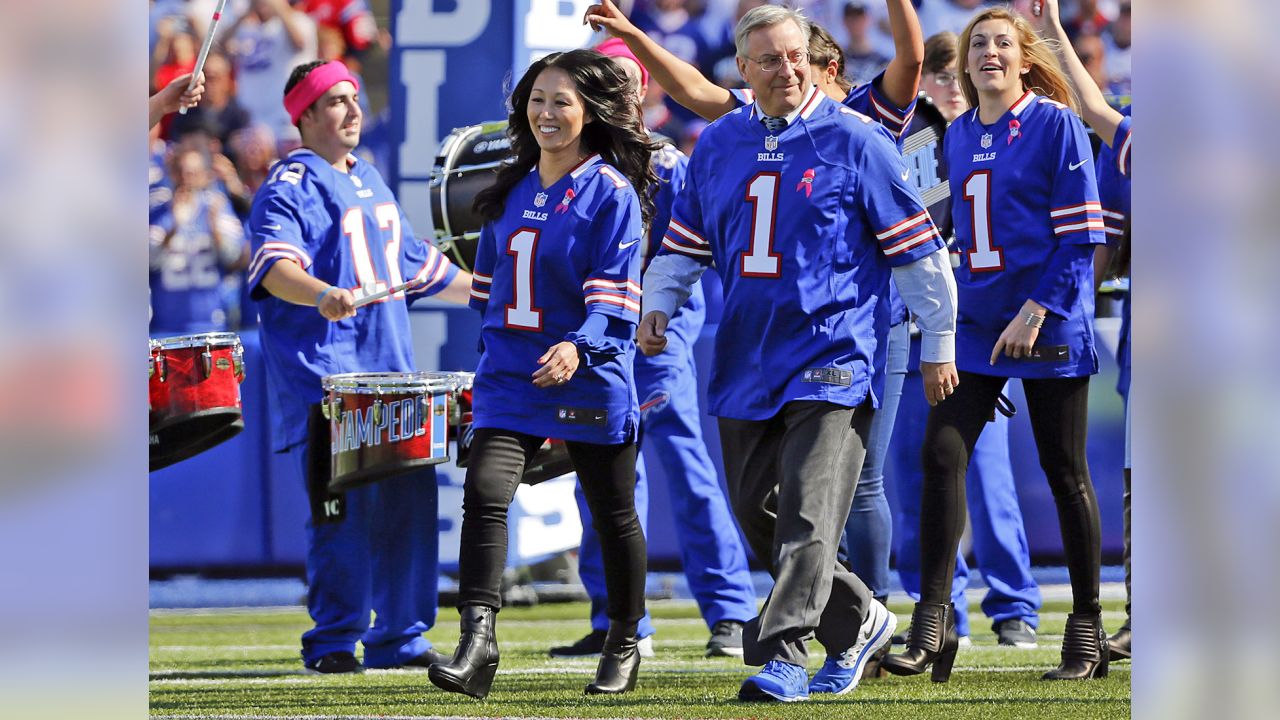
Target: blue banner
<point x="452" y="64"/>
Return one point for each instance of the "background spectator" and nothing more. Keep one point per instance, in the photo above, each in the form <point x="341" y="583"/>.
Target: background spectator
<point x="196" y="242"/>
<point x="350" y="19"/>
<point x="266" y="43"/>
<point x="219" y="109"/>
<point x="862" y="60"/>
<point x="1117" y="38"/>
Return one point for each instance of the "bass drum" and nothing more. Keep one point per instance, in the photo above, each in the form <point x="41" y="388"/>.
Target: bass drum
<point x="468" y="162"/>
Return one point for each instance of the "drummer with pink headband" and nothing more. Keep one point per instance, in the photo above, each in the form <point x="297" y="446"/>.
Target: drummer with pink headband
<point x="332" y="251"/>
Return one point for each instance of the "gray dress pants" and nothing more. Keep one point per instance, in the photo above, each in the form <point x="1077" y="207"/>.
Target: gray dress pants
<point x="791" y="480"/>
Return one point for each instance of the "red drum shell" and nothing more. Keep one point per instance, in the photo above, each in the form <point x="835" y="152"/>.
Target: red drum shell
<point x="194" y="394"/>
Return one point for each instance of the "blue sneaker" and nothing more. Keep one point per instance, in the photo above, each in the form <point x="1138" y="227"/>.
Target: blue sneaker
<point x="840" y="675"/>
<point x="778" y="680"/>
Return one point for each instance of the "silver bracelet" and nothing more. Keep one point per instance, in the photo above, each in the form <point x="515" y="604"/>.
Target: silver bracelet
<point x="1034" y="320"/>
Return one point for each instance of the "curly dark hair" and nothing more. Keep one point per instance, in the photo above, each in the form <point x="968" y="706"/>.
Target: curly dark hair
<point x="618" y="133"/>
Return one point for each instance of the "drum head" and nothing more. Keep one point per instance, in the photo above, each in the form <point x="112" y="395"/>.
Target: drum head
<point x="468" y="163"/>
<point x="390" y="382"/>
<point x="215" y="339"/>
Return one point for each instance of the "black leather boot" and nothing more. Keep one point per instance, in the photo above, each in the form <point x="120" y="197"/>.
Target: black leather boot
<point x="933" y="642"/>
<point x="1084" y="650"/>
<point x="619" y="663"/>
<point x="1121" y="644"/>
<point x="471" y="670"/>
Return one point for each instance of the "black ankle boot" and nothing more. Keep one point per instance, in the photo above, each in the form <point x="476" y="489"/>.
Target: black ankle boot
<point x="476" y="659"/>
<point x="1121" y="644"/>
<point x="619" y="663"/>
<point x="1084" y="650"/>
<point x="933" y="642"/>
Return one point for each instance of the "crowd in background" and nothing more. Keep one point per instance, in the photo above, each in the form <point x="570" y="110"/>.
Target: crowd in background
<point x="207" y="164"/>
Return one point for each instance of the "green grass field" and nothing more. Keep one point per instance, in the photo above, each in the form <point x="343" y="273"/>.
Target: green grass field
<point x="245" y="663"/>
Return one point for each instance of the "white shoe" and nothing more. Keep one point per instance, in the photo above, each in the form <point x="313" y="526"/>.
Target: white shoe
<point x="645" y="647"/>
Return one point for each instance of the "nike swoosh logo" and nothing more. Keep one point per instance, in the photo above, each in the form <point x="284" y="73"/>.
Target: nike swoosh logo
<point x="624" y="246"/>
<point x="1074" y="166"/>
<point x="906" y="175"/>
<point x="271" y="227"/>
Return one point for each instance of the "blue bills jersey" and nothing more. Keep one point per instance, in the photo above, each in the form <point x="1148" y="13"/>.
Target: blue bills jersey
<point x="556" y="255"/>
<point x="187" y="265"/>
<point x="804" y="228"/>
<point x="868" y="100"/>
<point x="1021" y="188"/>
<point x="1114" y="177"/>
<point x="671" y="165"/>
<point x="347" y="230"/>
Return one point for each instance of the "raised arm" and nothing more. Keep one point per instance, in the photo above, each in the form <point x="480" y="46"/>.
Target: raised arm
<point x="682" y="81"/>
<point x="1094" y="108"/>
<point x="174" y="96"/>
<point x="902" y="76"/>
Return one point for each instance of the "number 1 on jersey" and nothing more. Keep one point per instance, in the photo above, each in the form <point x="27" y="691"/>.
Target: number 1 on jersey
<point x="522" y="315"/>
<point x="984" y="257"/>
<point x="762" y="261"/>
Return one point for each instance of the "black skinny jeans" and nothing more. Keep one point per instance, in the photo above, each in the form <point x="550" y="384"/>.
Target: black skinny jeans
<point x="607" y="474"/>
<point x="1058" y="409"/>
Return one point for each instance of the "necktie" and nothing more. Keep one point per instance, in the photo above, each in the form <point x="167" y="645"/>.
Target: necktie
<point x="774" y="124"/>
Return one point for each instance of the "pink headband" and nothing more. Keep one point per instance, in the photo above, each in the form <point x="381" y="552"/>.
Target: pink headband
<point x="615" y="47"/>
<point x="316" y="83"/>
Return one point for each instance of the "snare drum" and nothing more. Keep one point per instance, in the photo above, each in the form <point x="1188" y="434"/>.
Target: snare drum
<point x="468" y="163"/>
<point x="383" y="424"/>
<point x="194" y="394"/>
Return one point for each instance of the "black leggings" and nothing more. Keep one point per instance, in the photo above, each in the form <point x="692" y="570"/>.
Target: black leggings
<point x="1059" y="411"/>
<point x="607" y="474"/>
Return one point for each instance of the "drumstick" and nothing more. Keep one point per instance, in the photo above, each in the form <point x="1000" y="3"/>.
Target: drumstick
<point x="204" y="49"/>
<point x="384" y="293"/>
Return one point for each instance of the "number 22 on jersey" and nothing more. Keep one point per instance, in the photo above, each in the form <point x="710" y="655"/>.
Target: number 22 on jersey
<point x="388" y="217"/>
<point x="984" y="257"/>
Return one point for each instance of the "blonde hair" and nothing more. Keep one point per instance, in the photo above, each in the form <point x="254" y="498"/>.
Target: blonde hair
<point x="1045" y="76"/>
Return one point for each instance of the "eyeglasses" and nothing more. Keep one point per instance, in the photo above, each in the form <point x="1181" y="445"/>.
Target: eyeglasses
<point x="944" y="79"/>
<point x="773" y="63"/>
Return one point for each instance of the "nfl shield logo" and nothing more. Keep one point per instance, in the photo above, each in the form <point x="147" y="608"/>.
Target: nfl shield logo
<point x="540" y="199"/>
<point x="986" y="141"/>
<point x="770" y="143"/>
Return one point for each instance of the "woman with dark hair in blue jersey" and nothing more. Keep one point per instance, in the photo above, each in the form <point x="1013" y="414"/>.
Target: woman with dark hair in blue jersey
<point x="557" y="281"/>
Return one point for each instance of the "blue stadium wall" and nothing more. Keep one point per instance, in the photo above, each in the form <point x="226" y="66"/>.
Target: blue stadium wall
<point x="237" y="507"/>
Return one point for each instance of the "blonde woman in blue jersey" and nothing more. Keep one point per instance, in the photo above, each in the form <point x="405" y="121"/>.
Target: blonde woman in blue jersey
<point x="557" y="281"/>
<point x="1027" y="220"/>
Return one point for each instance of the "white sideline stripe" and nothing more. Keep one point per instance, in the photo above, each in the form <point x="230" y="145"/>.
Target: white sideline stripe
<point x="209" y="648"/>
<point x="584" y="670"/>
<point x="337" y="717"/>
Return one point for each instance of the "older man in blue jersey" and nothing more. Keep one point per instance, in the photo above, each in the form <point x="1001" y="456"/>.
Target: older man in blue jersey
<point x="326" y="230"/>
<point x="806" y="209"/>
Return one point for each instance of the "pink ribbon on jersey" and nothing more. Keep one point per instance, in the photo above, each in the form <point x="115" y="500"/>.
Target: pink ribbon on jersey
<point x="564" y="204"/>
<point x="1015" y="129"/>
<point x="316" y="83"/>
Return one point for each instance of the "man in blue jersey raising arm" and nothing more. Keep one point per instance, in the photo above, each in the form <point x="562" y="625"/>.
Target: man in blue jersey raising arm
<point x="804" y="205"/>
<point x="326" y="230"/>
